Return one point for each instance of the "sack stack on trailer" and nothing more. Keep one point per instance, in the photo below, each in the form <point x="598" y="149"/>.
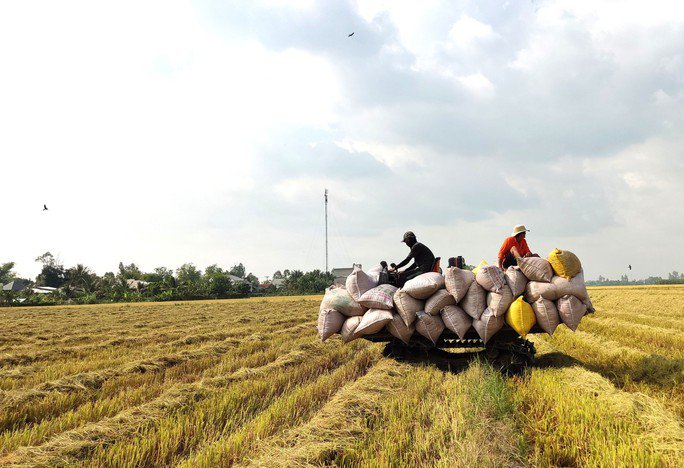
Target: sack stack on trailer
<point x="538" y="291"/>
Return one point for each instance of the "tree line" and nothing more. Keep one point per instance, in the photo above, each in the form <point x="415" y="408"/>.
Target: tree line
<point x="80" y="285"/>
<point x="673" y="277"/>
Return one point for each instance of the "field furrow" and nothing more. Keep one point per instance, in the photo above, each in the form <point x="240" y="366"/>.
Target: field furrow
<point x="68" y="394"/>
<point x="608" y="427"/>
<point x="174" y="436"/>
<point x="643" y="337"/>
<point x="628" y="368"/>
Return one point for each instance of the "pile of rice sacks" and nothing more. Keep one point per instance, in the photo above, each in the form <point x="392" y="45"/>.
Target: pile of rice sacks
<point x="547" y="292"/>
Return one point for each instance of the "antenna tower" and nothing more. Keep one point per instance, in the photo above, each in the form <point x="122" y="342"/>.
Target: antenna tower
<point x="326" y="230"/>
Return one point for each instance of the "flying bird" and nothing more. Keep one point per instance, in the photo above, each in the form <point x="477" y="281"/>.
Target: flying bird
<point x="45" y="207"/>
<point x="630" y="266"/>
<point x="350" y="35"/>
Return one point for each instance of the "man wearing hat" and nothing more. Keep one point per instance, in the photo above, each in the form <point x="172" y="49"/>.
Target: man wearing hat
<point x="514" y="247"/>
<point x="423" y="259"/>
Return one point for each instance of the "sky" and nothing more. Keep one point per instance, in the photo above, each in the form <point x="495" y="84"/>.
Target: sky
<point x="167" y="132"/>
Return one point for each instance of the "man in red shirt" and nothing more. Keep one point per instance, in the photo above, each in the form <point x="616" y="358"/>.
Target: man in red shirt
<point x="514" y="247"/>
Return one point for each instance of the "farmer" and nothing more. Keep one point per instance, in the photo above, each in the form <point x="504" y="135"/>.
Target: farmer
<point x="514" y="247"/>
<point x="423" y="259"/>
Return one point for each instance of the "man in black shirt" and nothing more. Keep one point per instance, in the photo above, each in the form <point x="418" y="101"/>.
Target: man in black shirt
<point x="423" y="259"/>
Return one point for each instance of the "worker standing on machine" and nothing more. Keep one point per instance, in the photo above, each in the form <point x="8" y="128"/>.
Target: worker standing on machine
<point x="422" y="256"/>
<point x="514" y="247"/>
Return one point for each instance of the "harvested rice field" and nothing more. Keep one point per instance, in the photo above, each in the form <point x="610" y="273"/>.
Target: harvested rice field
<point x="248" y="382"/>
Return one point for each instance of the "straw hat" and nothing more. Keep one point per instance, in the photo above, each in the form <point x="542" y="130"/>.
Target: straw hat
<point x="518" y="229"/>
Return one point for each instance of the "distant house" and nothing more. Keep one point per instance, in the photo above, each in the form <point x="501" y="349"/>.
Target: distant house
<point x="277" y="283"/>
<point x="43" y="290"/>
<point x="236" y="279"/>
<point x="15" y="286"/>
<point x="136" y="285"/>
<point x="341" y="274"/>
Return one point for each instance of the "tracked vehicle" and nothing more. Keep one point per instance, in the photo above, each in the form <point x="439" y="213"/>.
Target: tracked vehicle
<point x="506" y="350"/>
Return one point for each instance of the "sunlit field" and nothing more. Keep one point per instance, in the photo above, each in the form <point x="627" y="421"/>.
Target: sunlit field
<point x="248" y="382"/>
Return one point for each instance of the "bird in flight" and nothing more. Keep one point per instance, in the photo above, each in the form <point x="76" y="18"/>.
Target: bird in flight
<point x="350" y="35"/>
<point x="45" y="207"/>
<point x="630" y="266"/>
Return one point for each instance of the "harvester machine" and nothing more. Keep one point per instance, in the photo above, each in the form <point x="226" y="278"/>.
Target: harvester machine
<point x="506" y="350"/>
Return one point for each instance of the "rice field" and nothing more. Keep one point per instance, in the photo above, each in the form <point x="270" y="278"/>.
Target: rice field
<point x="248" y="382"/>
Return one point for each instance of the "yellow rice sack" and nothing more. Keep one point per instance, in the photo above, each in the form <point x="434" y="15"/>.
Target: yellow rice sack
<point x="564" y="263"/>
<point x="477" y="268"/>
<point x="520" y="317"/>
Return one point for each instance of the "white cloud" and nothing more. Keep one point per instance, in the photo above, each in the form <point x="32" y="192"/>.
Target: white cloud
<point x="394" y="156"/>
<point x="661" y="98"/>
<point x="468" y="30"/>
<point x="478" y="85"/>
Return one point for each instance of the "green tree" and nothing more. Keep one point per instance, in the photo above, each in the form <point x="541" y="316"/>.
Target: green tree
<point x="52" y="274"/>
<point x="238" y="270"/>
<point x="308" y="283"/>
<point x="277" y="275"/>
<point x="160" y="274"/>
<point x="218" y="283"/>
<point x="82" y="280"/>
<point x="6" y="273"/>
<point x="252" y="279"/>
<point x="162" y="284"/>
<point x="188" y="273"/>
<point x="189" y="280"/>
<point x="130" y="271"/>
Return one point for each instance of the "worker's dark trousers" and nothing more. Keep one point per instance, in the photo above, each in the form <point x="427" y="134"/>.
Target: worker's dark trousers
<point x="509" y="261"/>
<point x="406" y="275"/>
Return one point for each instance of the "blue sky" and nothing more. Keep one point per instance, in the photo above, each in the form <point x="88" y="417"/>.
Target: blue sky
<point x="169" y="132"/>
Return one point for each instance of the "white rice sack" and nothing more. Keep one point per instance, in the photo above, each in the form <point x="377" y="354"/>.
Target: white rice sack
<point x="407" y="306"/>
<point x="571" y="311"/>
<point x="499" y="302"/>
<point x="430" y="326"/>
<point x="339" y="299"/>
<point x="329" y="322"/>
<point x="567" y="288"/>
<point x="358" y="282"/>
<point x="536" y="268"/>
<point x="438" y="301"/>
<point x="475" y="300"/>
<point x="379" y="297"/>
<point x="374" y="274"/>
<point x="457" y="282"/>
<point x="547" y="315"/>
<point x="349" y="327"/>
<point x="534" y="290"/>
<point x="373" y="321"/>
<point x="573" y="287"/>
<point x="398" y="328"/>
<point x="456" y="320"/>
<point x="515" y="280"/>
<point x="491" y="278"/>
<point x="488" y="325"/>
<point x="425" y="285"/>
